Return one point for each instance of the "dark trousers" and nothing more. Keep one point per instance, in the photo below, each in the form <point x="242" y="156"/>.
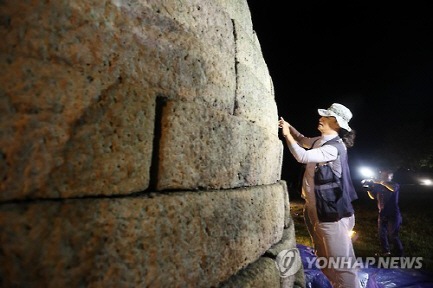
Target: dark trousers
<point x="389" y="227"/>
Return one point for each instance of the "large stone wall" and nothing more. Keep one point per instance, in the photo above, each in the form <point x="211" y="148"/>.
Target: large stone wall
<point x="138" y="147"/>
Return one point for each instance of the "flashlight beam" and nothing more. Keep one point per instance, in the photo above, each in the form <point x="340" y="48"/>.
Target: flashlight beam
<point x="366" y="172"/>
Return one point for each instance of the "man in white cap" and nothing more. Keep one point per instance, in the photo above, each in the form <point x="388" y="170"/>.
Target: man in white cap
<point x="329" y="230"/>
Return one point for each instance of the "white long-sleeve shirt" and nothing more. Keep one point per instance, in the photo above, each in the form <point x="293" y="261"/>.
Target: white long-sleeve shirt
<point x="318" y="154"/>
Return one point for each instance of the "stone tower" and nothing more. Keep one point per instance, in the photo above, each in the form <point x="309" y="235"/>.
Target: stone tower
<point x="139" y="147"/>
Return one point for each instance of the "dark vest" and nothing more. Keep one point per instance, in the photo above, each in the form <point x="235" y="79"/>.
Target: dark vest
<point x="346" y="178"/>
<point x="334" y="203"/>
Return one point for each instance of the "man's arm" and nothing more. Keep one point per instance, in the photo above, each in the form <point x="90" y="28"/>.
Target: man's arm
<point x="322" y="154"/>
<point x="305" y="142"/>
<point x="388" y="185"/>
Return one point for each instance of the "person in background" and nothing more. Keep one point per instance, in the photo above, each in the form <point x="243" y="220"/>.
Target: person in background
<point x="330" y="238"/>
<point x="386" y="192"/>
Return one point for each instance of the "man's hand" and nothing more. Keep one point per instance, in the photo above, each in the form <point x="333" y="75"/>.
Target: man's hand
<point x="285" y="126"/>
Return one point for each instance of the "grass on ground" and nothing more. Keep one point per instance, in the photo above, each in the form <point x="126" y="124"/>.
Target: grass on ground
<point x="416" y="232"/>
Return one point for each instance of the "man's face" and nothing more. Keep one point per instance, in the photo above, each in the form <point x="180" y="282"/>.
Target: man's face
<point x="327" y="124"/>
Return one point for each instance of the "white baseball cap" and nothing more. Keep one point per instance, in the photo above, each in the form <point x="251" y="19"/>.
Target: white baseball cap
<point x="341" y="113"/>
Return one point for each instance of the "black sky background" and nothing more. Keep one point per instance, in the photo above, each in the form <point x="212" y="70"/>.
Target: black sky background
<point x="377" y="59"/>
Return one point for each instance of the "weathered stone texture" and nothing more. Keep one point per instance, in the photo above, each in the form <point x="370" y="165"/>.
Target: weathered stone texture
<point x="254" y="102"/>
<point x="206" y="54"/>
<point x="288" y="221"/>
<point x="239" y="11"/>
<point x="262" y="273"/>
<point x="249" y="53"/>
<point x="64" y="133"/>
<point x="195" y="239"/>
<point x="201" y="147"/>
<point x="63" y="58"/>
<point x="288" y="241"/>
<point x="80" y="116"/>
<point x="254" y="91"/>
<point x="141" y="40"/>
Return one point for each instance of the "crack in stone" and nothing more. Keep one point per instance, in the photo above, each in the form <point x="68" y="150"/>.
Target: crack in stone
<point x="236" y="105"/>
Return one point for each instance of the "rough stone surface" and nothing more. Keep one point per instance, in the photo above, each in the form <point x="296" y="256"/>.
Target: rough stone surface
<point x="288" y="241"/>
<point x="202" y="67"/>
<point x="205" y="148"/>
<point x="249" y="53"/>
<point x="147" y="41"/>
<point x="62" y="60"/>
<point x="254" y="90"/>
<point x="65" y="134"/>
<point x="239" y="11"/>
<point x="262" y="273"/>
<point x="80" y="116"/>
<point x="288" y="221"/>
<point x="196" y="238"/>
<point x="254" y="102"/>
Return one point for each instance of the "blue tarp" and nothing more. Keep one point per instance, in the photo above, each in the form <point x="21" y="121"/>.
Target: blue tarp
<point x="371" y="277"/>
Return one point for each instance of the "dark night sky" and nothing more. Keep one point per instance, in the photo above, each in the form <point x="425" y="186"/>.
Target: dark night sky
<point x="374" y="58"/>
